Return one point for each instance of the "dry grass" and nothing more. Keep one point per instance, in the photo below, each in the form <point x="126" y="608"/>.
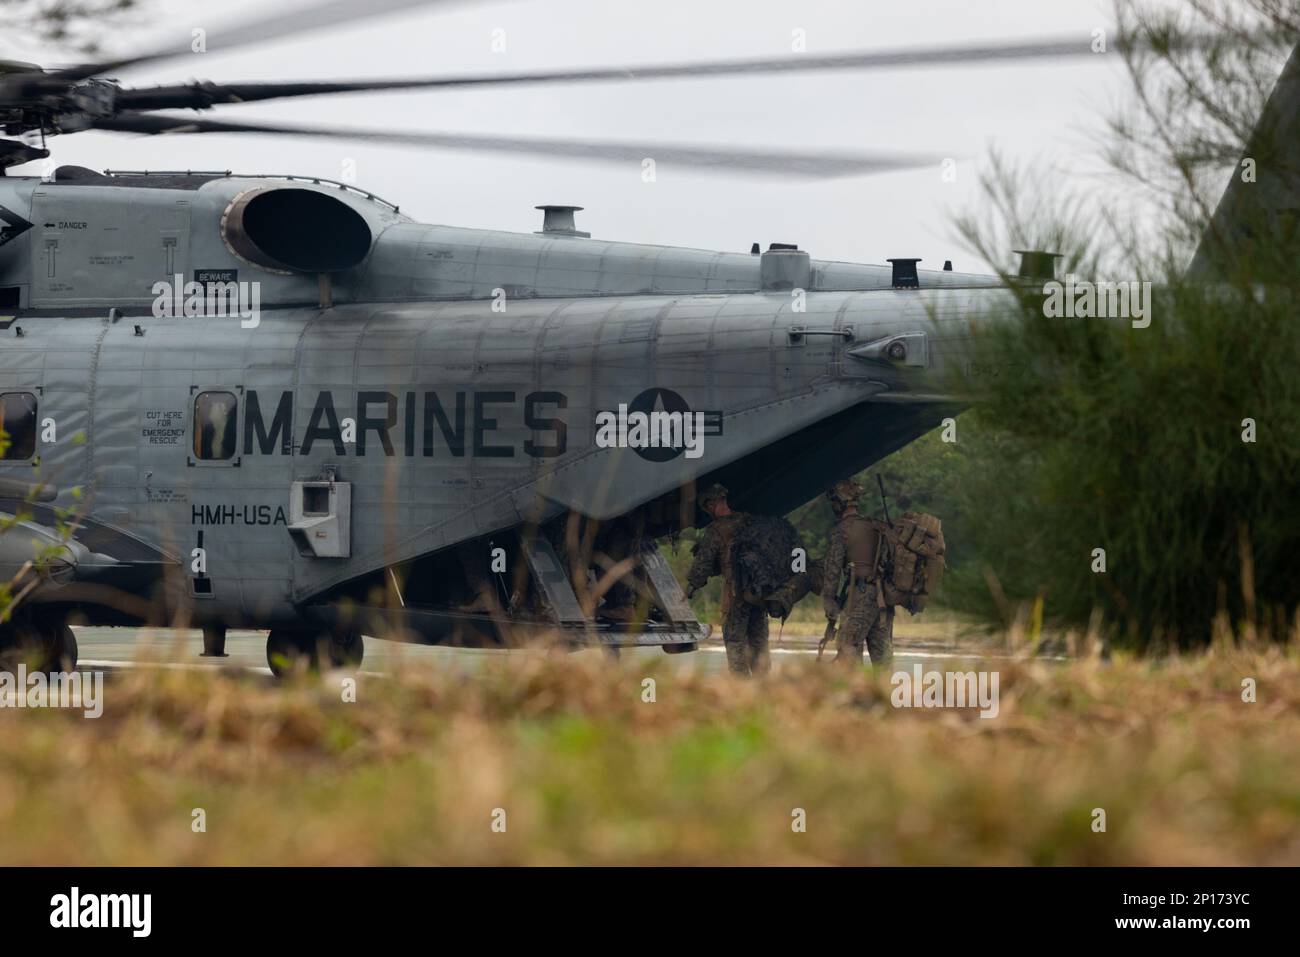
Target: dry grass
<point x="709" y="773"/>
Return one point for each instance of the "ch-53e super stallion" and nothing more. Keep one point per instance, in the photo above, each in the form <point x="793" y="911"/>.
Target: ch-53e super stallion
<point x="276" y="402"/>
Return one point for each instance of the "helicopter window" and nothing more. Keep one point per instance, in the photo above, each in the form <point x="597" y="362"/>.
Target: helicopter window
<point x="215" y="415"/>
<point x="315" y="500"/>
<point x="18" y="423"/>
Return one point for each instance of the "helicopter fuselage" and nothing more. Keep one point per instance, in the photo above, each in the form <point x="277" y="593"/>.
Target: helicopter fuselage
<point x="401" y="389"/>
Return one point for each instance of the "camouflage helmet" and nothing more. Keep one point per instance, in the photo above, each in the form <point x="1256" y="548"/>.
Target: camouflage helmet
<point x="711" y="496"/>
<point x="844" y="492"/>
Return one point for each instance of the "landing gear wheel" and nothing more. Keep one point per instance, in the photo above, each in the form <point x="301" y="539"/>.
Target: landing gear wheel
<point x="682" y="649"/>
<point x="289" y="652"/>
<point x="347" y="650"/>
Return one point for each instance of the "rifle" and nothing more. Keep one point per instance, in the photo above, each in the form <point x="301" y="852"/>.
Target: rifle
<point x="884" y="504"/>
<point x="826" y="637"/>
<point x="829" y="633"/>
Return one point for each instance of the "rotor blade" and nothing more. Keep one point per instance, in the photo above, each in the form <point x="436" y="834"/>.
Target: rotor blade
<point x="721" y="159"/>
<point x="202" y="95"/>
<point x="286" y="23"/>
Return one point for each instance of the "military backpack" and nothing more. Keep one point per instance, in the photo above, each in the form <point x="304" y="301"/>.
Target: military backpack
<point x="916" y="561"/>
<point x="761" y="555"/>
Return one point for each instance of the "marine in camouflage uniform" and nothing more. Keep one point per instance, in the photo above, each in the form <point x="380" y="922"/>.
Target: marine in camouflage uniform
<point x="880" y="639"/>
<point x="855" y="557"/>
<point x="473" y="560"/>
<point x="744" y="625"/>
<point x="617" y="541"/>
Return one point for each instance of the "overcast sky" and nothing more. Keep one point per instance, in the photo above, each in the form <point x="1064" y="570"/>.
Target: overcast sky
<point x="1046" y="113"/>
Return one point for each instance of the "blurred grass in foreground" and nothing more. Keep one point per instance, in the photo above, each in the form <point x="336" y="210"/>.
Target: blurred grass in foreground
<point x="709" y="773"/>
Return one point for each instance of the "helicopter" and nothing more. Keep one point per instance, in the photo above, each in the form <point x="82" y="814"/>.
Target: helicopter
<point x="277" y="402"/>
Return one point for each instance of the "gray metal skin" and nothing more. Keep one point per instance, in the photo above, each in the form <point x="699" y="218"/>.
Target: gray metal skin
<point x="805" y="397"/>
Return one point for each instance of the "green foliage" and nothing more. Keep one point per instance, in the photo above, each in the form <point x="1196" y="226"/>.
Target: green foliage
<point x="1096" y="434"/>
<point x="1131" y="440"/>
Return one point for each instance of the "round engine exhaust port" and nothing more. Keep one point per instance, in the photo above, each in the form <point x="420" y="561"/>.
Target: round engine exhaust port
<point x="288" y="229"/>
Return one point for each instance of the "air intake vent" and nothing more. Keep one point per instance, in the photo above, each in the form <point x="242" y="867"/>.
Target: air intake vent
<point x="905" y="276"/>
<point x="289" y="229"/>
<point x="1036" y="264"/>
<point x="559" y="221"/>
<point x="784" y="267"/>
